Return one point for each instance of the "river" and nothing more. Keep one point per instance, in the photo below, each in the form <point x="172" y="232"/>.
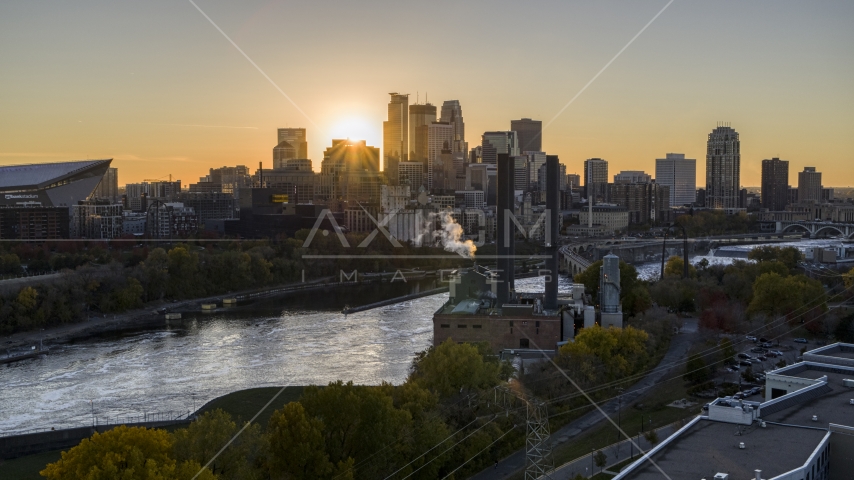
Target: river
<point x="298" y="340"/>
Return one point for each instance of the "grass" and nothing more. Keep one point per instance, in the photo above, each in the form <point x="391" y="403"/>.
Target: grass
<point x="242" y="405"/>
<point x="27" y="468"/>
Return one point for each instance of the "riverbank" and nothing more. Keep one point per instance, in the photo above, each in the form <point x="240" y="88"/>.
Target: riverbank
<point x="149" y="317"/>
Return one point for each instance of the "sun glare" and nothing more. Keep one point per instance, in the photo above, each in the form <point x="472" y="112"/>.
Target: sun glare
<point x="356" y="128"/>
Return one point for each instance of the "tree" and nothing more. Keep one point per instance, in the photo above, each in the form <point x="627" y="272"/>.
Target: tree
<point x="451" y="366"/>
<point x="600" y="459"/>
<point x="201" y="441"/>
<point x="727" y="349"/>
<point x="774" y="296"/>
<point x="651" y="436"/>
<point x="696" y="370"/>
<point x="844" y="331"/>
<point x="297" y="446"/>
<point x="675" y="267"/>
<point x="621" y="351"/>
<point x="788" y="256"/>
<point x="124" y="453"/>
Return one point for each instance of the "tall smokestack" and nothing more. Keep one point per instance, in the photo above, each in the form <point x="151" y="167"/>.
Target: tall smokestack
<point x="260" y="174"/>
<point x="505" y="169"/>
<point x="552" y="208"/>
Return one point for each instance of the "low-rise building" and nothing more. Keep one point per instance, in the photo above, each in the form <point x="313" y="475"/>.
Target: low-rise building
<point x="612" y="218"/>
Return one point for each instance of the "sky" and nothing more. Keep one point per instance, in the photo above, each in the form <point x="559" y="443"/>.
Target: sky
<point x="157" y="87"/>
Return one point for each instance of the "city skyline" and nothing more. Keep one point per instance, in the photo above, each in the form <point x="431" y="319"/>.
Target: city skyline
<point x="218" y="110"/>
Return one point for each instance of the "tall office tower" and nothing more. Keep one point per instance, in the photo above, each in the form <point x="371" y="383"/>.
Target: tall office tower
<point x="452" y="113"/>
<point x="679" y="174"/>
<point x="440" y="136"/>
<point x="530" y="134"/>
<point x="775" y="184"/>
<point x="476" y="155"/>
<point x="542" y="181"/>
<point x="521" y="172"/>
<point x="283" y="152"/>
<point x="573" y="181"/>
<point x="420" y="118"/>
<point x="108" y="189"/>
<point x="396" y="135"/>
<point x="632" y="176"/>
<point x="495" y="143"/>
<point x="411" y="174"/>
<point x="296" y="137"/>
<point x="535" y="161"/>
<point x="596" y="179"/>
<point x="723" y="168"/>
<point x="809" y="185"/>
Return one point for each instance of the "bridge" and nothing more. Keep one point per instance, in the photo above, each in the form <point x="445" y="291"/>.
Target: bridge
<point x="816" y="229"/>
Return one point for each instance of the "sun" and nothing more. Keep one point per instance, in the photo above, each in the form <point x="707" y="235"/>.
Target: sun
<point x="356" y="128"/>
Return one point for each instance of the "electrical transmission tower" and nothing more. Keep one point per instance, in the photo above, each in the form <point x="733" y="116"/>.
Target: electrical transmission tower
<point x="538" y="448"/>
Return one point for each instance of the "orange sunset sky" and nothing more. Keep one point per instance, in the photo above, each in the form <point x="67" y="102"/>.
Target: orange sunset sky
<point x="155" y="86"/>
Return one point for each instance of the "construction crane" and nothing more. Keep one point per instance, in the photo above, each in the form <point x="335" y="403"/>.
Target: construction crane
<point x="158" y="179"/>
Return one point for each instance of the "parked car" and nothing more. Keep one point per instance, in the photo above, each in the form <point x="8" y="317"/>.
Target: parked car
<point x="778" y="352"/>
<point x="756" y="390"/>
<point x="745" y="363"/>
<point x="751" y="338"/>
<point x="744" y="356"/>
<point x="800" y="340"/>
<point x="767" y="345"/>
<point x="757" y="350"/>
<point x="733" y="368"/>
<point x="738" y="396"/>
<point x="771" y="354"/>
<point x="762" y="358"/>
<point x="763" y="339"/>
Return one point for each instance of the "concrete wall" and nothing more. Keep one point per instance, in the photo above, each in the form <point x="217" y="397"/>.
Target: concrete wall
<point x="841" y="460"/>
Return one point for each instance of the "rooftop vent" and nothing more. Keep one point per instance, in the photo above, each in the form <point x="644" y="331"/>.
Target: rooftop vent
<point x="758" y="474"/>
<point x="815" y="418"/>
<point x="851" y="402"/>
<point x="722" y="476"/>
<point x="763" y="424"/>
<point x="741" y="445"/>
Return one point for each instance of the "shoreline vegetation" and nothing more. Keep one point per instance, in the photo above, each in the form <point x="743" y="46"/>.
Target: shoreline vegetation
<point x="117" y="281"/>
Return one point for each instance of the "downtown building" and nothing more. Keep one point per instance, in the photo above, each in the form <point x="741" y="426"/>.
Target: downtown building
<point x="497" y="143"/>
<point x="530" y="134"/>
<point x="723" y="170"/>
<point x="596" y="180"/>
<point x="775" y="184"/>
<point x="679" y="175"/>
<point x="36" y="200"/>
<point x="396" y="135"/>
<point x="809" y="186"/>
<point x="646" y="203"/>
<point x="295" y="137"/>
<point x="420" y="119"/>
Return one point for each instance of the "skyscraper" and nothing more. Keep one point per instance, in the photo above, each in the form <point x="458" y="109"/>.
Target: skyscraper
<point x="295" y="137"/>
<point x="809" y="185"/>
<point x="452" y="113"/>
<point x="596" y="179"/>
<point x="283" y="152"/>
<point x="632" y="176"/>
<point x="440" y="136"/>
<point x="108" y="189"/>
<point x="775" y="184"/>
<point x="723" y="168"/>
<point x="530" y="134"/>
<point x="494" y="143"/>
<point x="679" y="174"/>
<point x="396" y="135"/>
<point x="420" y="118"/>
<point x="535" y="161"/>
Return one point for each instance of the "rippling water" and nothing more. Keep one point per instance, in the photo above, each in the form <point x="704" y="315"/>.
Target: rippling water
<point x="211" y="355"/>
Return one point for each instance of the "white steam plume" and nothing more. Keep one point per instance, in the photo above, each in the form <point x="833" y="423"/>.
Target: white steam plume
<point x="449" y="235"/>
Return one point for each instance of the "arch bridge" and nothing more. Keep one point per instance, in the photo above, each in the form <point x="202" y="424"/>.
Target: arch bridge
<point x="817" y="229"/>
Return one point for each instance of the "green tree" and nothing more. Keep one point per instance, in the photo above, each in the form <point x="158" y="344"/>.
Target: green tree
<point x="622" y="351"/>
<point x="788" y="256"/>
<point x="297" y="445"/>
<point x="696" y="370"/>
<point x="774" y="296"/>
<point x="600" y="459"/>
<point x="727" y="349"/>
<point x="651" y="436"/>
<point x="451" y="366"/>
<point x="201" y="441"/>
<point x="124" y="453"/>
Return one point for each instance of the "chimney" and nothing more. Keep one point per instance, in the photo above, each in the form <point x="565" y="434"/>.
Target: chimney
<point x="552" y="208"/>
<point x="260" y="174"/>
<point x="505" y="170"/>
<point x="758" y="474"/>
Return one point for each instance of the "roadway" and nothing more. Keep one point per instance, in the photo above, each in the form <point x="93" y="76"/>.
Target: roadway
<point x="679" y="347"/>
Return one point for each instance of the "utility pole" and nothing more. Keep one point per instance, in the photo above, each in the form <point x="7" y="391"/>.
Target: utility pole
<point x="538" y="450"/>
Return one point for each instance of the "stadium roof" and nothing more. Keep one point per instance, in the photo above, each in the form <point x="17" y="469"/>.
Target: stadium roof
<point x="41" y="175"/>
